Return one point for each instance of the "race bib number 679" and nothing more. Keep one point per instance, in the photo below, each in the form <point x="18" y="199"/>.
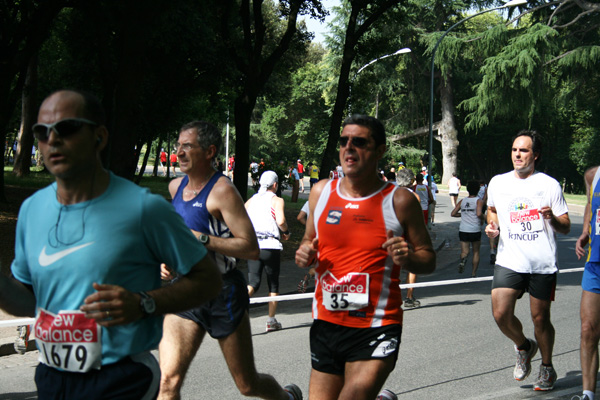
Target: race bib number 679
<point x="68" y="341"/>
<point x="351" y="292"/>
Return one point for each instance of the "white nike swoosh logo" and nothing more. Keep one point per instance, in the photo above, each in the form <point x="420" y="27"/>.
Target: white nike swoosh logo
<point x="47" y="259"/>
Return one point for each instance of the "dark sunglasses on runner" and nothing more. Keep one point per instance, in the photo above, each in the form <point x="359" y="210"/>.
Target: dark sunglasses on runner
<point x="63" y="128"/>
<point x="358" y="142"/>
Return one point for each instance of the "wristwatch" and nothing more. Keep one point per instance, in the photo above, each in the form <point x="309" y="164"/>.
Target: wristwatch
<point x="204" y="239"/>
<point x="147" y="304"/>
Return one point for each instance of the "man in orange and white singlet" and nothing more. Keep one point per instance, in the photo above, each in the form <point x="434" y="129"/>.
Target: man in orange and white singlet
<point x="356" y="233"/>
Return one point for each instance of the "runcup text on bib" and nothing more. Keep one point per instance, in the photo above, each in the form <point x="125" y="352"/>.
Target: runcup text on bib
<point x="351" y="292"/>
<point x="68" y="341"/>
<point x="526" y="221"/>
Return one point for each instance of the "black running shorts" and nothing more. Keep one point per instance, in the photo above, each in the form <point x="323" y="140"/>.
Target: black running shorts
<point x="136" y="377"/>
<point x="540" y="286"/>
<point x="220" y="317"/>
<point x="469" y="236"/>
<point x="332" y="345"/>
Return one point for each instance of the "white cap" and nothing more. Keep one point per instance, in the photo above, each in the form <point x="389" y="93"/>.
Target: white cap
<point x="267" y="179"/>
<point x="424" y="169"/>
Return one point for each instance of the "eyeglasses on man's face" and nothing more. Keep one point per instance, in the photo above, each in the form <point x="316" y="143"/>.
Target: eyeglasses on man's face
<point x="357" y="141"/>
<point x="185" y="147"/>
<point x="63" y="128"/>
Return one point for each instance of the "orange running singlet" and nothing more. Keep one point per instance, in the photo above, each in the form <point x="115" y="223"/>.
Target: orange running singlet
<point x="357" y="284"/>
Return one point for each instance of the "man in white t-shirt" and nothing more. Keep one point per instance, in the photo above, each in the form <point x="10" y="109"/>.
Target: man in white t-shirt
<point x="526" y="208"/>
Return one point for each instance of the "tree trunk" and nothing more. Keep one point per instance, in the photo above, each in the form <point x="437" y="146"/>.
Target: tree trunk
<point x="28" y="32"/>
<point x="243" y="114"/>
<point x="28" y="118"/>
<point x="145" y="161"/>
<point x="129" y="88"/>
<point x="354" y="32"/>
<point x="447" y="131"/>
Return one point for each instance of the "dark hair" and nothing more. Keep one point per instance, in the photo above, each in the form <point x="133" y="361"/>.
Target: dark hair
<point x="419" y="178"/>
<point x="373" y="124"/>
<point x="92" y="107"/>
<point x="536" y="142"/>
<point x="207" y="134"/>
<point x="473" y="188"/>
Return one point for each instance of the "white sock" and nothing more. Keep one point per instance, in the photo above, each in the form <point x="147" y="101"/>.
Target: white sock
<point x="271" y="319"/>
<point x="589" y="394"/>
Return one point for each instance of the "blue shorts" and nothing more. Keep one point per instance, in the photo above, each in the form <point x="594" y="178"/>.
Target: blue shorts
<point x="220" y="317"/>
<point x="134" y="377"/>
<point x="590" y="282"/>
<point x="332" y="345"/>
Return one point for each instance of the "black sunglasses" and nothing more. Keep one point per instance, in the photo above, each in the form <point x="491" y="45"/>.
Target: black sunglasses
<point x="358" y="142"/>
<point x="63" y="128"/>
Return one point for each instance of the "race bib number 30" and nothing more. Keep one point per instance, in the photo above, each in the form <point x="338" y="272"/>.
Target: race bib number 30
<point x="526" y="221"/>
<point x="351" y="292"/>
<point x="68" y="341"/>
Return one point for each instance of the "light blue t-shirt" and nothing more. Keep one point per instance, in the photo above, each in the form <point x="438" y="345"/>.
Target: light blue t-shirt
<point x="119" y="238"/>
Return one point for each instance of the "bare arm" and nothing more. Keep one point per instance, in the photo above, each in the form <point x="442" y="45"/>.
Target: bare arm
<point x="492" y="229"/>
<point x="584" y="238"/>
<point x="279" y="206"/>
<point x="16" y="298"/>
<point x="113" y="305"/>
<point x="414" y="251"/>
<point x="560" y="224"/>
<point x="456" y="211"/>
<point x="302" y="217"/>
<point x="226" y="204"/>
<point x="479" y="210"/>
<point x="306" y="253"/>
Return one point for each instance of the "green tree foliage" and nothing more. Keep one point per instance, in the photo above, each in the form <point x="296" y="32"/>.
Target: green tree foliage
<point x="543" y="76"/>
<point x="24" y="25"/>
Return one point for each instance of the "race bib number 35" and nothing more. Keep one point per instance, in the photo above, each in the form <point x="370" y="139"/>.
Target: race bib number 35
<point x="68" y="341"/>
<point x="351" y="292"/>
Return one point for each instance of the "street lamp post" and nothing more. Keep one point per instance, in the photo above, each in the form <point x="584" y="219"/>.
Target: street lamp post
<point x="511" y="3"/>
<point x="401" y="51"/>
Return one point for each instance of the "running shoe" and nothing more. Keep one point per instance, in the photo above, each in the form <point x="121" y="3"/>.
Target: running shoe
<point x="303" y="284"/>
<point x="461" y="265"/>
<point x="22" y="340"/>
<point x="546" y="379"/>
<point x="411" y="302"/>
<point x="582" y="397"/>
<point x="386" y="394"/>
<point x="523" y="365"/>
<point x="492" y="259"/>
<point x="273" y="326"/>
<point x="294" y="391"/>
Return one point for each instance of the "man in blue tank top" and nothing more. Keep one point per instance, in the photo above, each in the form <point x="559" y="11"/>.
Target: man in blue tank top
<point x="214" y="210"/>
<point x="87" y="264"/>
<point x="590" y="296"/>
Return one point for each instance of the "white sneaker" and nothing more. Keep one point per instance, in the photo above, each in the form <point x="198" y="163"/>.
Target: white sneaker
<point x="386" y="394"/>
<point x="523" y="365"/>
<point x="273" y="326"/>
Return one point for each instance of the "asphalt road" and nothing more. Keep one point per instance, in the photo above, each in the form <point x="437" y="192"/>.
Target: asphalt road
<point x="451" y="347"/>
